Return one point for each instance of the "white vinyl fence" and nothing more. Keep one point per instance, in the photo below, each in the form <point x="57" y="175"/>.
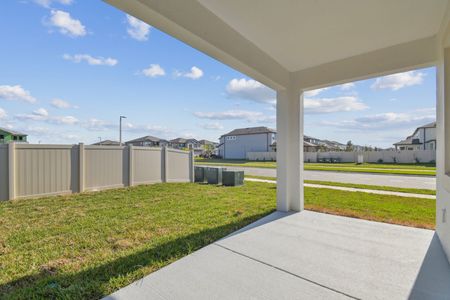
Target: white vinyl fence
<point x="28" y="170"/>
<point x="422" y="156"/>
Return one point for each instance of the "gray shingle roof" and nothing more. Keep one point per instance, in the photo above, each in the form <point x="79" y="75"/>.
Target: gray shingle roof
<point x="250" y="130"/>
<point x="107" y="143"/>
<point x="147" y="138"/>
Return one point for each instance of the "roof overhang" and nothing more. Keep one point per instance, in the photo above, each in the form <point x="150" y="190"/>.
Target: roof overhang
<point x="304" y="44"/>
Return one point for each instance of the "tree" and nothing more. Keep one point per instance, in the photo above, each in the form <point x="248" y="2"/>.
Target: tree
<point x="349" y="146"/>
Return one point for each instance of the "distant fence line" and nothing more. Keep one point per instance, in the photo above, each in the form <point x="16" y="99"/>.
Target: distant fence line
<point x="387" y="156"/>
<point x="28" y="170"/>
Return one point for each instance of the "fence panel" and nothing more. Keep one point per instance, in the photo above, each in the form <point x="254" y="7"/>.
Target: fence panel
<point x="178" y="169"/>
<point x="42" y="170"/>
<point x="4" y="188"/>
<point x="386" y="156"/>
<point x="147" y="164"/>
<point x="105" y="167"/>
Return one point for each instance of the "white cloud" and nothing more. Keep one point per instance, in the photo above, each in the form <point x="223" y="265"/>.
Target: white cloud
<point x="195" y="73"/>
<point x="99" y="125"/>
<point x="347" y="86"/>
<point x="48" y="3"/>
<point x="249" y="116"/>
<point x="315" y="92"/>
<point x="397" y="81"/>
<point x="212" y="126"/>
<point x="15" y="92"/>
<point x="95" y="124"/>
<point x="389" y="120"/>
<point x="62" y="104"/>
<point x="333" y="105"/>
<point x="250" y="90"/>
<point x="3" y="113"/>
<point x="93" y="61"/>
<point x="67" y="120"/>
<point x="42" y="115"/>
<point x="154" y="70"/>
<point x="42" y="112"/>
<point x="137" y="29"/>
<point x="66" y="24"/>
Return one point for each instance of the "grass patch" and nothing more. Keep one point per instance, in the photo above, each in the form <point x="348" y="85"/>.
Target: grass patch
<point x="88" y="245"/>
<point x="400" y="169"/>
<point x="359" y="186"/>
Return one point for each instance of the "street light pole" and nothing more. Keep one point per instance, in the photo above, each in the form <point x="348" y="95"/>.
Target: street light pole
<point x="120" y="129"/>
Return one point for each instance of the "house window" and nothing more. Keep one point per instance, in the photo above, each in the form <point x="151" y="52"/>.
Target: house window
<point x="15" y="138"/>
<point x="2" y="137"/>
<point x="231" y="138"/>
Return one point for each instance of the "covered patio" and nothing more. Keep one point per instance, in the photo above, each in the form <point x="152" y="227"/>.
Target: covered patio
<point x="306" y="255"/>
<point x="293" y="47"/>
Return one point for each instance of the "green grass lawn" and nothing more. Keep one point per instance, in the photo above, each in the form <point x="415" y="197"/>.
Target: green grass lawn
<point x="401" y="169"/>
<point x="88" y="245"/>
<point x="359" y="186"/>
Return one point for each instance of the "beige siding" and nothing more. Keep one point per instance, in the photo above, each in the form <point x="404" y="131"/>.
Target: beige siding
<point x="4" y="192"/>
<point x="105" y="167"/>
<point x="178" y="166"/>
<point x="42" y="170"/>
<point x="147" y="164"/>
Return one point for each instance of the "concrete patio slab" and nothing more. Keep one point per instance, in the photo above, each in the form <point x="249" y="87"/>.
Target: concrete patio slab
<point x="306" y="255"/>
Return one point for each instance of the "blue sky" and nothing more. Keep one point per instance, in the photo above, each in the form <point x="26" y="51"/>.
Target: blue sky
<point x="69" y="68"/>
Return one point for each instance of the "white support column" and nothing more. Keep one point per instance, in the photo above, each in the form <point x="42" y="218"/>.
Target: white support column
<point x="442" y="150"/>
<point x="290" y="150"/>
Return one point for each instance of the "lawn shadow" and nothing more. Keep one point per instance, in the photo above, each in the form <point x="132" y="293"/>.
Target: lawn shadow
<point x="90" y="283"/>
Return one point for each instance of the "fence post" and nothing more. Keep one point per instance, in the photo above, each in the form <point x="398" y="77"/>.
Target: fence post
<point x="11" y="171"/>
<point x="191" y="165"/>
<point x="165" y="164"/>
<point x="130" y="165"/>
<point x="81" y="167"/>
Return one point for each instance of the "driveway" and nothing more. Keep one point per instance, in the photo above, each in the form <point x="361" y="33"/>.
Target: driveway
<point x="403" y="181"/>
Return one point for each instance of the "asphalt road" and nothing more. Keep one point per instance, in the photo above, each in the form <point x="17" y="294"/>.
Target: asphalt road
<point x="403" y="181"/>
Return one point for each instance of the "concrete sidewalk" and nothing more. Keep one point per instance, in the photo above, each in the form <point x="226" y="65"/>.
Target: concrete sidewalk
<point x="348" y="189"/>
<point x="306" y="255"/>
<point x="402" y="181"/>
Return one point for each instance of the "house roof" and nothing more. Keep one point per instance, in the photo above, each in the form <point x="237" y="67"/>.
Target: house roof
<point x="12" y="132"/>
<point x="409" y="139"/>
<point x="107" y="143"/>
<point x="429" y="125"/>
<point x="183" y="141"/>
<point x="206" y="142"/>
<point x="147" y="138"/>
<point x="250" y="130"/>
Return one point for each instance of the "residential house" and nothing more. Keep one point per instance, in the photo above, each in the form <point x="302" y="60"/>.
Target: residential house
<point x="107" y="143"/>
<point x="148" y="141"/>
<point x="11" y="136"/>
<point x="307" y="147"/>
<point x="423" y="138"/>
<point x="236" y="143"/>
<point x="209" y="146"/>
<point x="182" y="143"/>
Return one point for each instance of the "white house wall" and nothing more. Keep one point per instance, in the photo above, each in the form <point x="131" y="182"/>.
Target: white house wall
<point x="238" y="148"/>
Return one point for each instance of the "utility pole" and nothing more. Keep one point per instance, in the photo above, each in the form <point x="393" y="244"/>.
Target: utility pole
<point x="120" y="129"/>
